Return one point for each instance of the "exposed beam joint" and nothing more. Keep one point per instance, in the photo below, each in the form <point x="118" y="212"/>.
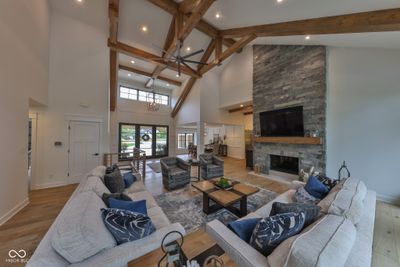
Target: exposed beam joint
<point x="144" y="55"/>
<point x="148" y="74"/>
<point x="113" y="79"/>
<point x="372" y="21"/>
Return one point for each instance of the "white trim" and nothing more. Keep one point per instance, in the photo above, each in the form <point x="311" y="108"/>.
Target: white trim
<point x="388" y="199"/>
<point x="49" y="185"/>
<point x="86" y="118"/>
<point x="14" y="211"/>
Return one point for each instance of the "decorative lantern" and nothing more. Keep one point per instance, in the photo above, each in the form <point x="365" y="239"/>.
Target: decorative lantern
<point x="153" y="101"/>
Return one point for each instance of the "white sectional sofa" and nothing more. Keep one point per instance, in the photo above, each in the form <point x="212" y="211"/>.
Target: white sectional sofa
<point x="340" y="239"/>
<point x="79" y="230"/>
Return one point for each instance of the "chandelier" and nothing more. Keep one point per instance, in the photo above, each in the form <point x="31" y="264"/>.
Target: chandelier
<point x="153" y="101"/>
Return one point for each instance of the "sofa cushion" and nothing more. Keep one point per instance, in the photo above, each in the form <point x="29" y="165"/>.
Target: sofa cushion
<point x="127" y="226"/>
<point x="271" y="231"/>
<point x="158" y="217"/>
<point x="349" y="204"/>
<point x="137" y="186"/>
<point x="114" y="182"/>
<point x="150" y="202"/>
<point x="355" y="184"/>
<point x="120" y="196"/>
<point x="244" y="228"/>
<point x="327" y="242"/>
<point x="80" y="232"/>
<point x="95" y="184"/>
<point x="316" y="188"/>
<point x="99" y="171"/>
<point x="302" y="196"/>
<point x="311" y="211"/>
<point x="134" y="206"/>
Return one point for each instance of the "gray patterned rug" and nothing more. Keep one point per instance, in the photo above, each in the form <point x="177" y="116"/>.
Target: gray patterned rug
<point x="155" y="166"/>
<point x="186" y="207"/>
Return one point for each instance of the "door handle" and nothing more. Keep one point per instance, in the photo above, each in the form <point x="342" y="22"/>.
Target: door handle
<point x="95" y="154"/>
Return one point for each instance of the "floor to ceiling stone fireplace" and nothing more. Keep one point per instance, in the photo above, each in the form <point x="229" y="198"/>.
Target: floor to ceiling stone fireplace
<point x="289" y="76"/>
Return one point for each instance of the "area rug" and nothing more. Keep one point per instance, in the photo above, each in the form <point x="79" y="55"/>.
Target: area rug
<point x="155" y="166"/>
<point x="186" y="207"/>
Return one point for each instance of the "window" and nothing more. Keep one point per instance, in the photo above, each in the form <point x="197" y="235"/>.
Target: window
<point x="184" y="139"/>
<point x="143" y="96"/>
<point x="128" y="93"/>
<point x="153" y="139"/>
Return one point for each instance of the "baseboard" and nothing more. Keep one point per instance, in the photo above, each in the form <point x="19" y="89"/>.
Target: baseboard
<point x="48" y="185"/>
<point x="388" y="199"/>
<point x="14" y="211"/>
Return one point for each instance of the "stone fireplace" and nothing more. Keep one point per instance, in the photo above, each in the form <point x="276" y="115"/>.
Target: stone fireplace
<point x="289" y="76"/>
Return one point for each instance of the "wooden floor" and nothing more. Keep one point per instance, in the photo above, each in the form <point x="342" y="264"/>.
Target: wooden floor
<point x="27" y="228"/>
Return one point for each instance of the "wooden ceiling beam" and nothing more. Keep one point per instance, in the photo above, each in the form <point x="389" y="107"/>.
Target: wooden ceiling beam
<point x="144" y="55"/>
<point x="172" y="7"/>
<point x="149" y="74"/>
<point x="248" y="113"/>
<point x="206" y="56"/>
<point x="372" y="21"/>
<point x="113" y="14"/>
<point x="228" y="52"/>
<point x="187" y="6"/>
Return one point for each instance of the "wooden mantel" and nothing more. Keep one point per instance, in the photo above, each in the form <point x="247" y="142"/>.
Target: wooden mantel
<point x="290" y="140"/>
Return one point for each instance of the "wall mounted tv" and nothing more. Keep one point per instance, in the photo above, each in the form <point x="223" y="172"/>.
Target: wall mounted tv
<point x="282" y="122"/>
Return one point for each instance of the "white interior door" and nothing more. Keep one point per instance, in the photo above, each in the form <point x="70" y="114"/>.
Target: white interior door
<point x="84" y="148"/>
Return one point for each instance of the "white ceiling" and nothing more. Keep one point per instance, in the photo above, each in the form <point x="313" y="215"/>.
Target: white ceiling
<point x="234" y="13"/>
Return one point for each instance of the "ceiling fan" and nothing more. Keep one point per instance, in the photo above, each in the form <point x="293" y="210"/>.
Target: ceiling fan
<point x="179" y="59"/>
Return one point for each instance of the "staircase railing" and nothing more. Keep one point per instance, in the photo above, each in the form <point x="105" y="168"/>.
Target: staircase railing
<point x="135" y="159"/>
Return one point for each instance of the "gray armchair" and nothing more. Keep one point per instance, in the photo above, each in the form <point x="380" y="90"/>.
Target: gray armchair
<point x="175" y="173"/>
<point x="211" y="166"/>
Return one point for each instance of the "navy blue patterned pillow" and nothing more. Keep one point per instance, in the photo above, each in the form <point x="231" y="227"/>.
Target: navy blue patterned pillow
<point x="328" y="182"/>
<point x="302" y="196"/>
<point x="272" y="231"/>
<point x="127" y="226"/>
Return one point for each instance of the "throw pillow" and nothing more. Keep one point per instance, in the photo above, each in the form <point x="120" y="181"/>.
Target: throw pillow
<point x="271" y="231"/>
<point x="134" y="206"/>
<point x="244" y="228"/>
<point x="129" y="179"/>
<point x="328" y="182"/>
<point x="311" y="211"/>
<point x="114" y="182"/>
<point x="119" y="196"/>
<point x="315" y="188"/>
<point x="111" y="169"/>
<point x="127" y="226"/>
<point x="302" y="196"/>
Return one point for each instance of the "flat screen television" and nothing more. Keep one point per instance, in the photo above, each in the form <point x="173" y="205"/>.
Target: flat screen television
<point x="282" y="122"/>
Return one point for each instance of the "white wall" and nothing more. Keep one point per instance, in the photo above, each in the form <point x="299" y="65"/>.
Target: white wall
<point x="78" y="85"/>
<point x="190" y="110"/>
<point x="363" y="119"/>
<point x="24" y="69"/>
<point x="129" y="111"/>
<point x="237" y="79"/>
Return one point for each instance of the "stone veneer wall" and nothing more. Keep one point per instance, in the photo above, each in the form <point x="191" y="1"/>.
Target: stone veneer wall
<point x="288" y="76"/>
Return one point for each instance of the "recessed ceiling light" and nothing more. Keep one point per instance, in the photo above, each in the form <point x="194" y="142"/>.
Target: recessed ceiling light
<point x="167" y="84"/>
<point x="241" y="106"/>
<point x="188" y="48"/>
<point x="217" y="15"/>
<point x="308" y="37"/>
<point x="279" y="1"/>
<point x="144" y="28"/>
<point x="177" y="75"/>
<point x="79" y="1"/>
<point x="129" y="74"/>
<point x="133" y="61"/>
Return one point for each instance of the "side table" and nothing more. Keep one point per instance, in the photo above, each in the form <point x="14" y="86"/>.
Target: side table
<point x="195" y="163"/>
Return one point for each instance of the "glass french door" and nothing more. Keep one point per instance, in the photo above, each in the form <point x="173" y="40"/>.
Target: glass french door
<point x="153" y="139"/>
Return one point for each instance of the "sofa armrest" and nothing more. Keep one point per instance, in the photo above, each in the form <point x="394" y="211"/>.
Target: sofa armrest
<point x="164" y="166"/>
<point x="203" y="162"/>
<point x="121" y="255"/>
<point x="218" y="161"/>
<point x="238" y="250"/>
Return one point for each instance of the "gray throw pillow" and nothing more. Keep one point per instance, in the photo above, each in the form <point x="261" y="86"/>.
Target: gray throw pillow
<point x="119" y="196"/>
<point x="114" y="182"/>
<point x="302" y="196"/>
<point x="311" y="211"/>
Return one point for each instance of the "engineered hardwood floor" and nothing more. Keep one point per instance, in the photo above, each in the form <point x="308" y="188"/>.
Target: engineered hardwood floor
<point x="27" y="227"/>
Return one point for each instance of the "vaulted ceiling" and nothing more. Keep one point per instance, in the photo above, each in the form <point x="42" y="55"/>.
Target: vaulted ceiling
<point x="157" y="16"/>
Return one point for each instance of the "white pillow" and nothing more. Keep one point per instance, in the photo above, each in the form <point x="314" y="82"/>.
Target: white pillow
<point x="349" y="204"/>
<point x="99" y="171"/>
<point x="94" y="183"/>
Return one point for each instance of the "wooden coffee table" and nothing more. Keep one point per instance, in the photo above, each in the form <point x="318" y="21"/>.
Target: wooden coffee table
<point x="225" y="198"/>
